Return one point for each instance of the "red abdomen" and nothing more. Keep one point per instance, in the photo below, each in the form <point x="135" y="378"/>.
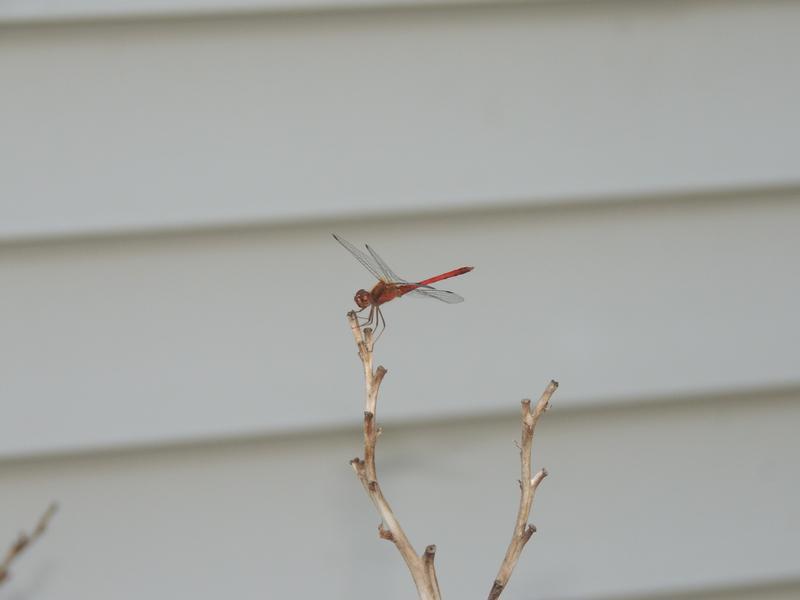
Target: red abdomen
<point x="384" y="292"/>
<point x="448" y="275"/>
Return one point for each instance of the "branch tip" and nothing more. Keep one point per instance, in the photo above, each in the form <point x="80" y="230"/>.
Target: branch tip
<point x="529" y="531"/>
<point x="24" y="540"/>
<point x="537" y="479"/>
<point x="45" y="520"/>
<point x="358" y="467"/>
<point x="430" y="570"/>
<point x="379" y="374"/>
<point x="384" y="533"/>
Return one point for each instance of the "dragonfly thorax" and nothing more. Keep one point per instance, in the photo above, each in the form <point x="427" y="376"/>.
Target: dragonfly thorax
<point x="363" y="298"/>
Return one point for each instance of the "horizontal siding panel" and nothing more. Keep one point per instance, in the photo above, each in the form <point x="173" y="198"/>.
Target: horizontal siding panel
<point x="688" y="501"/>
<point x="146" y="339"/>
<point x="38" y="11"/>
<point x="137" y="125"/>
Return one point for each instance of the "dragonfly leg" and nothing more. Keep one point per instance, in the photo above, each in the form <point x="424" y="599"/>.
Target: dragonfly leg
<point x="379" y="318"/>
<point x="369" y="319"/>
<point x="366" y="319"/>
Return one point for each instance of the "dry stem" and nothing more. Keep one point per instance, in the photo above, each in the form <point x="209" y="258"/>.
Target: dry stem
<point x="421" y="567"/>
<point x="23" y="541"/>
<point x="528" y="485"/>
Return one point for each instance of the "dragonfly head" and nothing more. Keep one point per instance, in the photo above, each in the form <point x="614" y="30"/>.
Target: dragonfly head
<point x="363" y="298"/>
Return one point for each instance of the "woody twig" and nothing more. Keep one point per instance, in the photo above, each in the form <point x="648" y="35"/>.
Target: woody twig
<point x="421" y="566"/>
<point x="528" y="485"/>
<point x="23" y="541"/>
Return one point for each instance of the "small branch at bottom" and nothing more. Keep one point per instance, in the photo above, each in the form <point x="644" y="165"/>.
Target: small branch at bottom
<point x="24" y="540"/>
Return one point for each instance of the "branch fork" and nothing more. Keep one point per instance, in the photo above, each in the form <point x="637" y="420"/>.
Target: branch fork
<point x="422" y="566"/>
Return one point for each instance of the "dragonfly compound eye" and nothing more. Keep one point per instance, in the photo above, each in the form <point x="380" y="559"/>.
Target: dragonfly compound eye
<point x="362" y="298"/>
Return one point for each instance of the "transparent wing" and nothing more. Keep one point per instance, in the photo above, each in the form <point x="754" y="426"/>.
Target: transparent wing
<point x="426" y="291"/>
<point x="370" y="264"/>
<point x="389" y="275"/>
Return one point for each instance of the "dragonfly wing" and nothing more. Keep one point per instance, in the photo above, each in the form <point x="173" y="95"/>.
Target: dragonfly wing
<point x="388" y="274"/>
<point x="369" y="262"/>
<point x="426" y="291"/>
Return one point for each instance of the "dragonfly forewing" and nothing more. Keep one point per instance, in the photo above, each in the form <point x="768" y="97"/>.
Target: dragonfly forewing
<point x="369" y="262"/>
<point x="389" y="275"/>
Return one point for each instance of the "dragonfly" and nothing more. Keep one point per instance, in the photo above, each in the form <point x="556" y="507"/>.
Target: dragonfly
<point x="390" y="286"/>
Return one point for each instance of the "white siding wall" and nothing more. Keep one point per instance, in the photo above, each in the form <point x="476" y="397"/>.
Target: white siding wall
<point x="176" y="369"/>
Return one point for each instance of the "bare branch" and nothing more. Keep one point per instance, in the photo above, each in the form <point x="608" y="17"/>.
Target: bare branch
<point x="24" y="540"/>
<point x="421" y="567"/>
<point x="528" y="486"/>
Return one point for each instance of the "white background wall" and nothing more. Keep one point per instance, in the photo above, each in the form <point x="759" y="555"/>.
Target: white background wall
<point x="176" y="369"/>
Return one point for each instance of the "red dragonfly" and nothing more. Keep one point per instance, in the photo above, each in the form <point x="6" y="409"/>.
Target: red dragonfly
<point x="390" y="286"/>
